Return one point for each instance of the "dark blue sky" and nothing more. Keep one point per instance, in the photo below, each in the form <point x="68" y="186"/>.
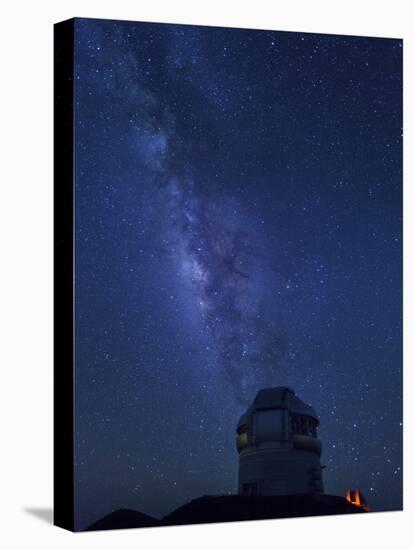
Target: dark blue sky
<point x="238" y="225"/>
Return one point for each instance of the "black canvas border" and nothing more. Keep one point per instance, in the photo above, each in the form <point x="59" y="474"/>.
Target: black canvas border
<point x="63" y="201"/>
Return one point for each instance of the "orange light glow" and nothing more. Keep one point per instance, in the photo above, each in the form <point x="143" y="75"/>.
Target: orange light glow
<point x="355" y="497"/>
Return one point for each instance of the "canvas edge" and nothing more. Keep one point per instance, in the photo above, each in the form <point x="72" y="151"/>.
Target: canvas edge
<point x="63" y="292"/>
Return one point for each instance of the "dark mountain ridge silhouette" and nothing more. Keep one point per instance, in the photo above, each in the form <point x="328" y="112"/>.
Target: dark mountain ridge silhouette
<point x="216" y="509"/>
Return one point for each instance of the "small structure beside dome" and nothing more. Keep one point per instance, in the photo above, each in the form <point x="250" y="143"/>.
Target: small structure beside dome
<point x="355" y="497"/>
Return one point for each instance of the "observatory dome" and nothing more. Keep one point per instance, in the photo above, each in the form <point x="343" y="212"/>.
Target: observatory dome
<point x="278" y="445"/>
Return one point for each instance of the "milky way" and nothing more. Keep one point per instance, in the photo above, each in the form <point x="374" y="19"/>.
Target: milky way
<point x="216" y="248"/>
<point x="220" y="258"/>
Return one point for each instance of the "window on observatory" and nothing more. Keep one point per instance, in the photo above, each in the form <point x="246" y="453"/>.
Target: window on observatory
<point x="312" y="428"/>
<point x="242" y="440"/>
<point x="298" y="424"/>
<point x="249" y="489"/>
<point x="303" y="425"/>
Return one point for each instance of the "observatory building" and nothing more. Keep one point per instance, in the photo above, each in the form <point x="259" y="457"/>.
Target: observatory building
<point x="279" y="451"/>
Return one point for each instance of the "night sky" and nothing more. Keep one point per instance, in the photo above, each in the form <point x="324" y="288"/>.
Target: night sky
<point x="238" y="226"/>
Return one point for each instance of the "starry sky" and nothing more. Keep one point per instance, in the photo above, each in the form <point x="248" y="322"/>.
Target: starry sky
<point x="238" y="226"/>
